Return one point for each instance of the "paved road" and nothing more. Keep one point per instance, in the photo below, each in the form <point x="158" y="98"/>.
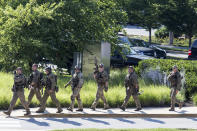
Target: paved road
<point x="117" y="123"/>
<point x="139" y="31"/>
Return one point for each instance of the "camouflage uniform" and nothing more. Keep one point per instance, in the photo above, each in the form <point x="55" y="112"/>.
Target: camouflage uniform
<point x="131" y="83"/>
<point x="101" y="79"/>
<point x="18" y="92"/>
<point x="35" y="82"/>
<point x="175" y="85"/>
<point x="76" y="83"/>
<point x="50" y="85"/>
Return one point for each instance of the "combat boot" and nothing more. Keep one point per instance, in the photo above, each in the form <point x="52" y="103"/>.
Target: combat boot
<point x="123" y="108"/>
<point x="27" y="113"/>
<point x="80" y="110"/>
<point x="93" y="108"/>
<point x="181" y="105"/>
<point x="138" y="109"/>
<point x="40" y="111"/>
<point x="59" y="110"/>
<point x="106" y="107"/>
<point x="70" y="109"/>
<point x="7" y="113"/>
<point x="171" y="109"/>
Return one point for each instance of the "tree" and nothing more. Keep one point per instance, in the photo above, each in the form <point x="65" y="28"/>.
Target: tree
<point x="179" y="16"/>
<point x="142" y="13"/>
<point x="34" y="30"/>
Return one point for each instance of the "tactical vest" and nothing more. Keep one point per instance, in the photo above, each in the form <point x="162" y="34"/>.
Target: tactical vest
<point x="75" y="80"/>
<point x="100" y="78"/>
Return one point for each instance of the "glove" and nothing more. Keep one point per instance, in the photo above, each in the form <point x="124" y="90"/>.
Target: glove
<point x="106" y="89"/>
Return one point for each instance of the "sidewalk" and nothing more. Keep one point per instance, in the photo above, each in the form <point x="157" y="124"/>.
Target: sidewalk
<point x="157" y="112"/>
<point x="172" y="47"/>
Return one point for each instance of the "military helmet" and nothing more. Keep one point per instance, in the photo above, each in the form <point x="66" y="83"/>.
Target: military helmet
<point x="48" y="69"/>
<point x="174" y="67"/>
<point x="77" y="67"/>
<point x="35" y="65"/>
<point x="131" y="67"/>
<point x="19" y="68"/>
<point x="101" y="65"/>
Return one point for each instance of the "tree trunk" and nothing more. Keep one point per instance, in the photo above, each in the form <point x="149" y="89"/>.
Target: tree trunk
<point x="190" y="40"/>
<point x="150" y="35"/>
<point x="171" y="38"/>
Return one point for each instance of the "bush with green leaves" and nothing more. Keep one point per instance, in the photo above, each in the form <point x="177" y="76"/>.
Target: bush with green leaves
<point x="190" y="68"/>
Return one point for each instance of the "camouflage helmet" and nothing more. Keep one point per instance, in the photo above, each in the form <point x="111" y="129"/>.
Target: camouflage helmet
<point x="130" y="67"/>
<point x="36" y="65"/>
<point x="77" y="67"/>
<point x="48" y="69"/>
<point x="19" y="68"/>
<point x="101" y="65"/>
<point x="174" y="67"/>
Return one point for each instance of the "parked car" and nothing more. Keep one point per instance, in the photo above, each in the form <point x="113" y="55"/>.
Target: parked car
<point x="192" y="53"/>
<point x="141" y="46"/>
<point x="127" y="56"/>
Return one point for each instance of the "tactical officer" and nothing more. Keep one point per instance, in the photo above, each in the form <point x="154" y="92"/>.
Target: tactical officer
<point x="76" y="83"/>
<point x="18" y="92"/>
<point x="35" y="81"/>
<point x="101" y="78"/>
<point x="175" y="84"/>
<point x="132" y="88"/>
<point x="51" y="88"/>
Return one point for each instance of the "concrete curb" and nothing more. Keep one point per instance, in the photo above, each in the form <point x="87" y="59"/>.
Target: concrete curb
<point x="110" y="116"/>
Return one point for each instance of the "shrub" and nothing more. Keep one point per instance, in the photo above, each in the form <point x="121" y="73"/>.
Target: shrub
<point x="190" y="68"/>
<point x="162" y="33"/>
<point x="195" y="99"/>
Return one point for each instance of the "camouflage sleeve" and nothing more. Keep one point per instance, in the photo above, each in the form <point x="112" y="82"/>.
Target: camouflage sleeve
<point x="53" y="83"/>
<point x="106" y="77"/>
<point x="170" y="76"/>
<point x="179" y="84"/>
<point x="135" y="80"/>
<point x="126" y="82"/>
<point x="80" y="80"/>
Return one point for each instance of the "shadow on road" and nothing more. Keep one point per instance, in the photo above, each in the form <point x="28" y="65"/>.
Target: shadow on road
<point x="96" y="121"/>
<point x="121" y="119"/>
<point x="65" y="121"/>
<point x="154" y="120"/>
<point x="32" y="120"/>
<point x="125" y="120"/>
<point x="193" y="119"/>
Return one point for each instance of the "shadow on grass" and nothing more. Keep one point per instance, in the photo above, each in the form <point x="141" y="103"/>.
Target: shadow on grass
<point x="65" y="121"/>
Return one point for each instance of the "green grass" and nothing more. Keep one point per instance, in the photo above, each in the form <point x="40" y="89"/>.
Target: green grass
<point x="153" y="95"/>
<point x="195" y="99"/>
<point x="159" y="129"/>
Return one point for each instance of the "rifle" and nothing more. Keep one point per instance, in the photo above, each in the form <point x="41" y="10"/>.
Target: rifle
<point x="68" y="84"/>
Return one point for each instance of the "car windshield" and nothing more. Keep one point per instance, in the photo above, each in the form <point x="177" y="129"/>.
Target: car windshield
<point x="124" y="40"/>
<point x="128" y="51"/>
<point x="139" y="43"/>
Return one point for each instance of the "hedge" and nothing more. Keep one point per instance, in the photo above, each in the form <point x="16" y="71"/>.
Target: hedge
<point x="190" y="68"/>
